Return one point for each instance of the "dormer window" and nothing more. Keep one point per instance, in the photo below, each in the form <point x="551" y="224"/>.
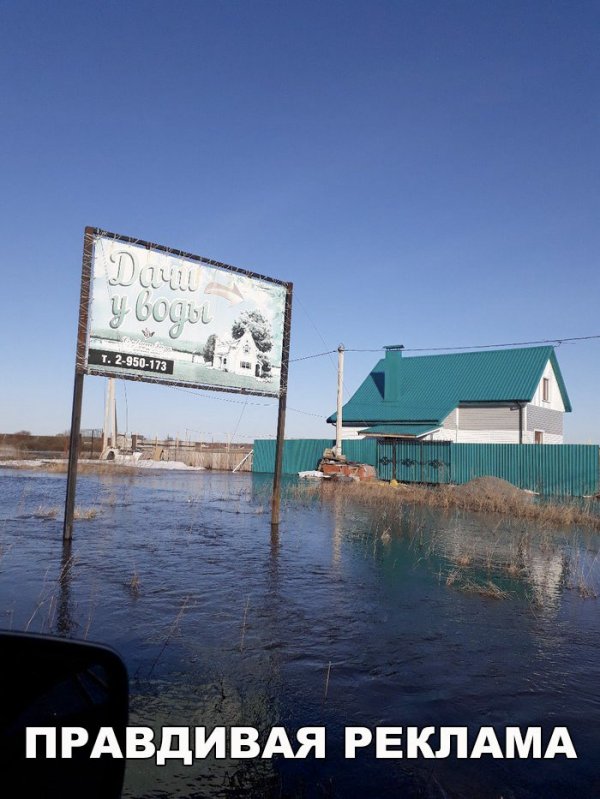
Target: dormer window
<point x="545" y="389"/>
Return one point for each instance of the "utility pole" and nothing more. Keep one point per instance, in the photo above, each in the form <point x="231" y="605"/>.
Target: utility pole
<point x="109" y="431"/>
<point x="340" y="402"/>
<point x="285" y="360"/>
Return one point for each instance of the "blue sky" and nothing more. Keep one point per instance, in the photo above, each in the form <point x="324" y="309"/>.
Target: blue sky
<point x="425" y="173"/>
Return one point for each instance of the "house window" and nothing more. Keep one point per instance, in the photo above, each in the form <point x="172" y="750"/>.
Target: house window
<point x="538" y="437"/>
<point x="247" y="348"/>
<point x="245" y="365"/>
<point x="545" y="389"/>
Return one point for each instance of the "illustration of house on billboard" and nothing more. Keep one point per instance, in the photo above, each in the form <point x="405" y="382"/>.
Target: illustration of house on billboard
<point x="246" y="352"/>
<point x="239" y="356"/>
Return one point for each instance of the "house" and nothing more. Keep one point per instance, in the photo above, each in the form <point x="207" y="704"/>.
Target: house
<point x="508" y="396"/>
<point x="239" y="356"/>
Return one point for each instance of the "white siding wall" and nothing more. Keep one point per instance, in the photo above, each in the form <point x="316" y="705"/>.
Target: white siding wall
<point x="443" y="434"/>
<point x="501" y="417"/>
<point x="350" y="432"/>
<point x="475" y="436"/>
<point x="449" y="430"/>
<point x="555" y="402"/>
<point x="450" y="422"/>
<point x="549" y="438"/>
<point x="488" y="437"/>
<point x="550" y="422"/>
<point x="495" y="425"/>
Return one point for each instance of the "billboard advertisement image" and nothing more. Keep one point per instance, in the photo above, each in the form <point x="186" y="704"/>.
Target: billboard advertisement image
<point x="171" y="317"/>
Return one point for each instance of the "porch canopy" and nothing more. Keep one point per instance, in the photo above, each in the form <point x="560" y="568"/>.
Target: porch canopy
<point x="400" y="430"/>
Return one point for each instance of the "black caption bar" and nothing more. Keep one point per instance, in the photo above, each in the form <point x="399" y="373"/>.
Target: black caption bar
<point x="125" y="360"/>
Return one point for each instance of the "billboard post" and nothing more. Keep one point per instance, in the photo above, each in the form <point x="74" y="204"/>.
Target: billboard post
<point x="155" y="314"/>
<point x="82" y="326"/>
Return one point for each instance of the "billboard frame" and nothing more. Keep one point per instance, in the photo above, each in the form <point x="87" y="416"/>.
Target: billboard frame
<point x="146" y="377"/>
<point x="82" y="367"/>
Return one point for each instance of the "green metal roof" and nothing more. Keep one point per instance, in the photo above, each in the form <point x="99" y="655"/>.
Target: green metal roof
<point x="403" y="430"/>
<point x="425" y="389"/>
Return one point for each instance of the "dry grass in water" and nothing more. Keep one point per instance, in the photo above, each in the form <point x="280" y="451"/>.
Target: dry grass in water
<point x="134" y="585"/>
<point x="50" y="594"/>
<point x="580" y="577"/>
<point x="85" y="514"/>
<point x="327" y="682"/>
<point x="45" y="512"/>
<point x="52" y="512"/>
<point x="489" y="588"/>
<point x="483" y="495"/>
<point x="61" y="467"/>
<point x="464" y="560"/>
<point x="244" y="621"/>
<point x="173" y="630"/>
<point x="99" y="467"/>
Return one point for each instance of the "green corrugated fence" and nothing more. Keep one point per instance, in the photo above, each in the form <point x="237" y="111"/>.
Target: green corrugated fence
<point x="304" y="454"/>
<point x="552" y="469"/>
<point x="556" y="469"/>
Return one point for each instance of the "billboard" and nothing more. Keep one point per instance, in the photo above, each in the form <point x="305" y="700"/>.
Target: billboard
<point x="166" y="316"/>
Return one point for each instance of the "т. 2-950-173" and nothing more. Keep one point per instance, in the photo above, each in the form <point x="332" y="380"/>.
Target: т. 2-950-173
<point x="144" y="363"/>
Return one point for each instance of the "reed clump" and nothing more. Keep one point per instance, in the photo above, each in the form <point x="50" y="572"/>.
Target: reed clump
<point x="93" y="467"/>
<point x="85" y="514"/>
<point x="484" y="495"/>
<point x="45" y="512"/>
<point x="134" y="585"/>
<point x="51" y="512"/>
<point x="457" y="580"/>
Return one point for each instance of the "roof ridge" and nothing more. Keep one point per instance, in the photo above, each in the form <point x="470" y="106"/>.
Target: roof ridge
<point x="548" y="347"/>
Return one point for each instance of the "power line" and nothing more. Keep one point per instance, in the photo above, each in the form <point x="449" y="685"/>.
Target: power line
<point x="221" y="399"/>
<point x="316" y="355"/>
<point x="199" y="395"/>
<point x="305" y="413"/>
<point x="557" y="341"/>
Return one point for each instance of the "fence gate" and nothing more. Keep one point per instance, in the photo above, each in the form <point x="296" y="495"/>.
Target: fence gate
<point x="414" y="461"/>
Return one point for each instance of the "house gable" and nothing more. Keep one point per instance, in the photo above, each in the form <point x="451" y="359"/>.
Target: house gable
<point x="551" y="395"/>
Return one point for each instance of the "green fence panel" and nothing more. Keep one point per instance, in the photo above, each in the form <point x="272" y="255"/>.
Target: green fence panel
<point x="386" y="460"/>
<point x="407" y="461"/>
<point x="551" y="469"/>
<point x="299" y="455"/>
<point x="436" y="462"/>
<point x="568" y="469"/>
<point x="361" y="450"/>
<point x="304" y="454"/>
<point x="484" y="460"/>
<point x="415" y="461"/>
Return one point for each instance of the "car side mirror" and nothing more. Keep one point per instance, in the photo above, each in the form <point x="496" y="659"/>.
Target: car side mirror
<point x="56" y="682"/>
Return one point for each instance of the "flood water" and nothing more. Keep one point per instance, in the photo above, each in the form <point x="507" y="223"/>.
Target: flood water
<point x="344" y="618"/>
